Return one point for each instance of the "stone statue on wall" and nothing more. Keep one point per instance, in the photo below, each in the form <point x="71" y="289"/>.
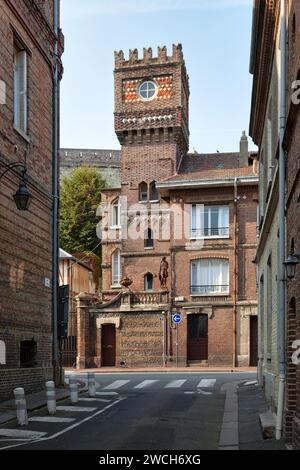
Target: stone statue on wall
<point x="163" y="273"/>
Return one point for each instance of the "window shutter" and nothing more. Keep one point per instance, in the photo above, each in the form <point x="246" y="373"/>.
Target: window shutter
<point x="16" y="92"/>
<point x="22" y="88"/>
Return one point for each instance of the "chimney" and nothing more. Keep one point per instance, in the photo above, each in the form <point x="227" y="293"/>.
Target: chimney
<point x="244" y="151"/>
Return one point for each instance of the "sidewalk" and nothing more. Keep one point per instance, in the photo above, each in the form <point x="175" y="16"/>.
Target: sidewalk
<point x="251" y="403"/>
<point x="127" y="370"/>
<point x="33" y="400"/>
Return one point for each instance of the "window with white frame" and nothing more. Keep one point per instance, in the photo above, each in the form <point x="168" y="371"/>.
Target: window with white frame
<point x="116" y="268"/>
<point x="209" y="221"/>
<point x="210" y="276"/>
<point x="20" y="90"/>
<point x="116" y="214"/>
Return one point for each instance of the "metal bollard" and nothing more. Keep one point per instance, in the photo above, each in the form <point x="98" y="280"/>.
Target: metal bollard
<point x="20" y="402"/>
<point x="74" y="392"/>
<point x="91" y="385"/>
<point x="51" y="398"/>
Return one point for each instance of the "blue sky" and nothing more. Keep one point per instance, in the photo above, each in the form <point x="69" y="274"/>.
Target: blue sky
<point x="215" y="35"/>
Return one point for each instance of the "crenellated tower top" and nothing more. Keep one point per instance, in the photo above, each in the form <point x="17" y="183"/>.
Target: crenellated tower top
<point x="148" y="58"/>
<point x="152" y="98"/>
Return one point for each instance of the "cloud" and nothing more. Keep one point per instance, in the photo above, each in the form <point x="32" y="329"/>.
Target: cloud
<point x="78" y="8"/>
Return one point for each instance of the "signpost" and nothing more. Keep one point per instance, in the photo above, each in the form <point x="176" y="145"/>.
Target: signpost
<point x="176" y="319"/>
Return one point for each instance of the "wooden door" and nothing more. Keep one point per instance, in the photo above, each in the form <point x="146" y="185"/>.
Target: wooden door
<point x="108" y="345"/>
<point x="197" y="337"/>
<point x="253" y="341"/>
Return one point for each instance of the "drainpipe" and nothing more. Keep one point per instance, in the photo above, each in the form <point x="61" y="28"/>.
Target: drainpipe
<point x="281" y="268"/>
<point x="235" y="274"/>
<point x="55" y="195"/>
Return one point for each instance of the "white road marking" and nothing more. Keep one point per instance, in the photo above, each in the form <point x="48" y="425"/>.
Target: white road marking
<point x="202" y="392"/>
<point x="145" y="383"/>
<point x="50" y="419"/>
<point x="79" y="409"/>
<point x="115" y="385"/>
<point x="20" y="433"/>
<point x="106" y="394"/>
<point x="94" y="399"/>
<point x="75" y="425"/>
<point x="206" y="383"/>
<point x="252" y="382"/>
<point x="175" y="384"/>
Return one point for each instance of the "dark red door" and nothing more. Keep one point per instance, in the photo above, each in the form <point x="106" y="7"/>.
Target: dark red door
<point x="108" y="345"/>
<point x="253" y="341"/>
<point x="197" y="337"/>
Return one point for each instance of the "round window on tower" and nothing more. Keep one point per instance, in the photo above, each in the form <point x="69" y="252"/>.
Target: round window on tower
<point x="147" y="90"/>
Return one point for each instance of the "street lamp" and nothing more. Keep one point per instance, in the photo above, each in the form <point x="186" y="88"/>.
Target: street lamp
<point x="291" y="265"/>
<point x="22" y="197"/>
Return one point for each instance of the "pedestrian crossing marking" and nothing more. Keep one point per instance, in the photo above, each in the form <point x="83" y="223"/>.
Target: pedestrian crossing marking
<point x="50" y="419"/>
<point x="145" y="383"/>
<point x="106" y="394"/>
<point x="79" y="409"/>
<point x="21" y="433"/>
<point x="206" y="383"/>
<point x="115" y="385"/>
<point x="175" y="384"/>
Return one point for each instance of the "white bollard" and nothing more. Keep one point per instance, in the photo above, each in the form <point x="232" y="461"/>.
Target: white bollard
<point x="91" y="385"/>
<point x="74" y="392"/>
<point x="20" y="402"/>
<point x="51" y="398"/>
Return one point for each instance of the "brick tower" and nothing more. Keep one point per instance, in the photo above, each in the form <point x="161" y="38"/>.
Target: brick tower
<point x="152" y="125"/>
<point x="151" y="114"/>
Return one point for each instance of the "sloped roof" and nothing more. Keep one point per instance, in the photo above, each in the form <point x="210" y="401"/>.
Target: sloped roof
<point x="211" y="166"/>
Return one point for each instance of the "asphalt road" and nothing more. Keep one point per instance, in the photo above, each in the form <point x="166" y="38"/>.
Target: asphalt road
<point x="142" y="411"/>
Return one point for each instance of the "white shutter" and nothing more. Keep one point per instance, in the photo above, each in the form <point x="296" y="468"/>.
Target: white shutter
<point x="22" y="76"/>
<point x="16" y="92"/>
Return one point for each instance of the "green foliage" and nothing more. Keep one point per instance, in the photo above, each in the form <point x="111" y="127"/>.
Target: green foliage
<point x="80" y="197"/>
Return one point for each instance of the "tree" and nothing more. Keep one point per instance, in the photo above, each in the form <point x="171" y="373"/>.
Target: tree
<point x="80" y="197"/>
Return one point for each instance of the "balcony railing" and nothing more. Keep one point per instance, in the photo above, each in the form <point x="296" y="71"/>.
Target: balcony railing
<point x="210" y="232"/>
<point x="145" y="298"/>
<point x="210" y="290"/>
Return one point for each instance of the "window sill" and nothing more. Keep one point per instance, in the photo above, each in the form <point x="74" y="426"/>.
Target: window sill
<point x="116" y="286"/>
<point x="154" y="201"/>
<point x="213" y="237"/>
<point x="22" y="134"/>
<point x="149" y="248"/>
<point x="211" y="294"/>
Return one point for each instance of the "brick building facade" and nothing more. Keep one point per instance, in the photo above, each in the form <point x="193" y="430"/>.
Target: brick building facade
<point x="268" y="74"/>
<point x="178" y="235"/>
<point x="292" y="148"/>
<point x="27" y="42"/>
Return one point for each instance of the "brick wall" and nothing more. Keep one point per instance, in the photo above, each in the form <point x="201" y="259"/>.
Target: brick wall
<point x="25" y="248"/>
<point x="292" y="404"/>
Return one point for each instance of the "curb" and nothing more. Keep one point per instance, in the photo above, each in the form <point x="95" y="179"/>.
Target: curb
<point x="229" y="437"/>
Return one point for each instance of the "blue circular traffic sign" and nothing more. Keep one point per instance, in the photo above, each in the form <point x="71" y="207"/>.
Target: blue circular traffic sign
<point x="176" y="318"/>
